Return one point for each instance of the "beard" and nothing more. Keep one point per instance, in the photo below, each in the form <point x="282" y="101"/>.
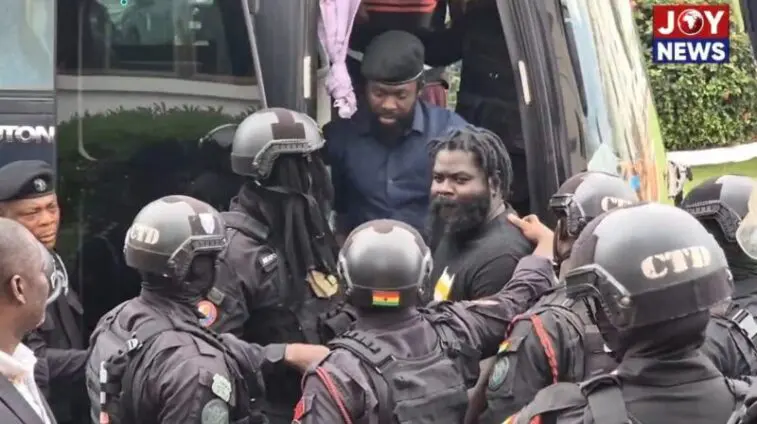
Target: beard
<point x="391" y="133"/>
<point x="459" y="219"/>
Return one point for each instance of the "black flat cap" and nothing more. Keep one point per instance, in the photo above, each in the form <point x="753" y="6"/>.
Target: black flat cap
<point x="25" y="179"/>
<point x="394" y="57"/>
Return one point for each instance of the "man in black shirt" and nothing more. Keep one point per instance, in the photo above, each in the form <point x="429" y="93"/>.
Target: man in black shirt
<point x="475" y="247"/>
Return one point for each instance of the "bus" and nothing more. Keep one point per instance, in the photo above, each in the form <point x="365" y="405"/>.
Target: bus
<point x="119" y="94"/>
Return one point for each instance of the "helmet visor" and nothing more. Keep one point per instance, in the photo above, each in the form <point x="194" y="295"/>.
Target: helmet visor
<point x="626" y="309"/>
<point x="746" y="234"/>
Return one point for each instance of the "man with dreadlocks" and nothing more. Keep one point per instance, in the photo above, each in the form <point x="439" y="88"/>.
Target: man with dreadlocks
<point x="475" y="247"/>
<point x="276" y="282"/>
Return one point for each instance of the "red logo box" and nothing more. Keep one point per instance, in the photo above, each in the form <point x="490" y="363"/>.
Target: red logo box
<point x="692" y="22"/>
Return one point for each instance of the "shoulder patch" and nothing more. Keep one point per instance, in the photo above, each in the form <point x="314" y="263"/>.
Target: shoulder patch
<point x="209" y="311"/>
<point x="499" y="372"/>
<point x="221" y="387"/>
<point x="215" y="412"/>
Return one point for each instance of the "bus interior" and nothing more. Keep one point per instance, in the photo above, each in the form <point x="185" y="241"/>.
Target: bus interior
<point x="135" y="85"/>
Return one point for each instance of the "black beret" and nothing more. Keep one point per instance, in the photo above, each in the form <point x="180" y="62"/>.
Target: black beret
<point x="25" y="179"/>
<point x="394" y="57"/>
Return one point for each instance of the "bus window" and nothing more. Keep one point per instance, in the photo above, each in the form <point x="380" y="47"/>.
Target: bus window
<point x="139" y="83"/>
<point x="28" y="28"/>
<point x="189" y="39"/>
<point x="621" y="115"/>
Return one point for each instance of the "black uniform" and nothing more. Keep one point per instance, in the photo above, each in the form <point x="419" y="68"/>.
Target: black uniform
<point x="553" y="341"/>
<point x="721" y="204"/>
<point x="730" y="342"/>
<point x="426" y="359"/>
<point x="151" y="361"/>
<point x="556" y="339"/>
<point x="64" y="348"/>
<point x="262" y="293"/>
<point x="629" y="286"/>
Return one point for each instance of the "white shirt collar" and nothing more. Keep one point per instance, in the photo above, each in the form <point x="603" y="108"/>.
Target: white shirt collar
<point x="19" y="365"/>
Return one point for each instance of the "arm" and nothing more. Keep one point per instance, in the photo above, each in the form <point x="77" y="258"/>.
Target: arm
<point x="487" y="319"/>
<point x="252" y="355"/>
<point x="233" y="313"/>
<point x="245" y="277"/>
<point x="67" y="364"/>
<point x="522" y="368"/>
<point x="318" y="403"/>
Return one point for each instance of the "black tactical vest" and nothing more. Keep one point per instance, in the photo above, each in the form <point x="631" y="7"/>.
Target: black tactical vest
<point x="743" y="321"/>
<point x="310" y="320"/>
<point x="590" y="357"/>
<point x="606" y="404"/>
<point x="430" y="389"/>
<point x="119" y="352"/>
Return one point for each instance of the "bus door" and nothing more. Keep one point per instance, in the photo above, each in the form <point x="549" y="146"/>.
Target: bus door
<point x="585" y="97"/>
<point x="287" y="41"/>
<point x="27" y="81"/>
<point x="550" y="103"/>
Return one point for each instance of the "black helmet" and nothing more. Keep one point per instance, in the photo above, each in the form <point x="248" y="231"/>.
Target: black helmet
<point x="585" y="196"/>
<point x="728" y="200"/>
<point x="646" y="264"/>
<point x="384" y="264"/>
<point x="170" y="232"/>
<point x="268" y="133"/>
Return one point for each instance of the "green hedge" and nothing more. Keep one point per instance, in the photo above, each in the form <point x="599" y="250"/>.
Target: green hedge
<point x="702" y="106"/>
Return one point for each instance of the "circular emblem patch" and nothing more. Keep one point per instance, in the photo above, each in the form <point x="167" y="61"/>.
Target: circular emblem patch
<point x="215" y="412"/>
<point x="209" y="311"/>
<point x="499" y="373"/>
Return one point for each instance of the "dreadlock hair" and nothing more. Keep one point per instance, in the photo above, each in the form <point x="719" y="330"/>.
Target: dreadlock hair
<point x="300" y="220"/>
<point x="488" y="151"/>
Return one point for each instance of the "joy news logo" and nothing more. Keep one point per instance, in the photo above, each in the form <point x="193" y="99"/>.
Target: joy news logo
<point x="690" y="33"/>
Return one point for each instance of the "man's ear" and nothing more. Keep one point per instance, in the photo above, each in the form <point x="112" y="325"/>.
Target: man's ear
<point x="16" y="288"/>
<point x="493" y="184"/>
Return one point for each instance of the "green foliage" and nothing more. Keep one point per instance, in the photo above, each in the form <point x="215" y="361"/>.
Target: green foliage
<point x="702" y="106"/>
<point x="131" y="156"/>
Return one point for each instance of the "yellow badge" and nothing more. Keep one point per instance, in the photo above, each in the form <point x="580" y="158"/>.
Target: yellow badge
<point x="324" y="286"/>
<point x="443" y="286"/>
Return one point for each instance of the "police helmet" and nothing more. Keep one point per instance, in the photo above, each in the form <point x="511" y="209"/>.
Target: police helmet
<point x="646" y="264"/>
<point x="384" y="264"/>
<point x="268" y="133"/>
<point x="585" y="196"/>
<point x="731" y="202"/>
<point x="170" y="232"/>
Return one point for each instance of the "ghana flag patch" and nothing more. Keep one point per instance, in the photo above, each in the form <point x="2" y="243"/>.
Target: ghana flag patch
<point x="386" y="298"/>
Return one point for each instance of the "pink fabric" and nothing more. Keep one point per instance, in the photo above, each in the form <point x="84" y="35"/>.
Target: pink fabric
<point x="334" y="28"/>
